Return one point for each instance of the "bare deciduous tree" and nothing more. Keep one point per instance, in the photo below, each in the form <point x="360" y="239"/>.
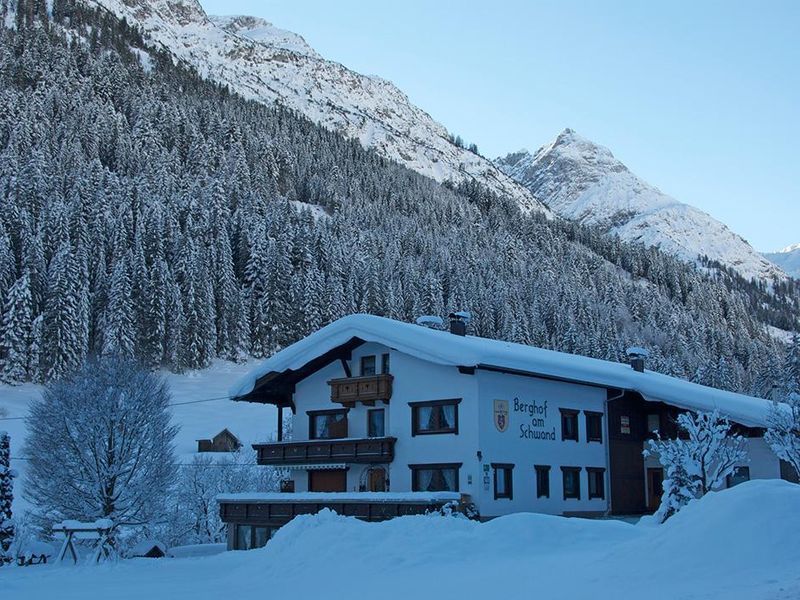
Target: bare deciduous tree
<point x="100" y="444"/>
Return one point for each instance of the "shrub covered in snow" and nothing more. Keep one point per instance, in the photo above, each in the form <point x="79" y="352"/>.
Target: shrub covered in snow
<point x="699" y="463"/>
<point x="783" y="434"/>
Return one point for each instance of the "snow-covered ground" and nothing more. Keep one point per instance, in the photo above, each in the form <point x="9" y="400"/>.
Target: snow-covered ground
<point x="201" y="409"/>
<point x="739" y="544"/>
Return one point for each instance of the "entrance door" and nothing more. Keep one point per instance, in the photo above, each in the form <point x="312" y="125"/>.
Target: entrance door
<point x="655" y="479"/>
<point x="377" y="480"/>
<point x="334" y="480"/>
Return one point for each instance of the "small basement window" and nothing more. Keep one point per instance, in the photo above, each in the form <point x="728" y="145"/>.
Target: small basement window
<point x="368" y="365"/>
<point x="739" y="475"/>
<point x="594" y="426"/>
<point x="597" y="478"/>
<point x="542" y="481"/>
<point x="569" y="424"/>
<point x="571" y="477"/>
<point x="503" y="480"/>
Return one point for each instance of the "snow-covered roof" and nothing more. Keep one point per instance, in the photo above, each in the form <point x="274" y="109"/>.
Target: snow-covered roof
<point x="145" y="546"/>
<point x="445" y="348"/>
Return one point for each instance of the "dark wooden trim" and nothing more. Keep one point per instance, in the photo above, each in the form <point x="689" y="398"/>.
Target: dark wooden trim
<point x="346" y="367"/>
<point x="589" y="472"/>
<point x="362" y="451"/>
<point x="466" y="370"/>
<point x="542" y="469"/>
<point x="415" y="431"/>
<point x="496" y="369"/>
<point x="509" y="469"/>
<point x="416" y="467"/>
<point x="277" y="387"/>
<point x="563" y="482"/>
<point x="278" y="513"/>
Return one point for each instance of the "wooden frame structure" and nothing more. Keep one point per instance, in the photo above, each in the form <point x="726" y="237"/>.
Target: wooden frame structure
<point x="100" y="531"/>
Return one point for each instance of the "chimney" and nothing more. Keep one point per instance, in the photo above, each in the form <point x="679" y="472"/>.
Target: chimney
<point x="458" y="322"/>
<point x="637" y="357"/>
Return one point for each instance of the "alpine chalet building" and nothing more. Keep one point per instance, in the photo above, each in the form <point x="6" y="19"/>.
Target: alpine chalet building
<point x="393" y="418"/>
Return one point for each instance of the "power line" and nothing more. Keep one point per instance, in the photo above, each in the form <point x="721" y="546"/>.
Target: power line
<point x="216" y="399"/>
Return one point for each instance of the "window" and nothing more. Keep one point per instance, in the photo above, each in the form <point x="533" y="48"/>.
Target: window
<point x="572" y="482"/>
<point x="385" y="364"/>
<point x="367" y="365"/>
<point x="597" y="479"/>
<point x="653" y="423"/>
<point x="739" y="475"/>
<point x="438" y="416"/>
<point x="250" y="536"/>
<point x="244" y="537"/>
<point x="594" y="426"/>
<point x="327" y="424"/>
<point x="542" y="481"/>
<point x="503" y="481"/>
<point x="569" y="424"/>
<point x="435" y="478"/>
<point x="375" y="423"/>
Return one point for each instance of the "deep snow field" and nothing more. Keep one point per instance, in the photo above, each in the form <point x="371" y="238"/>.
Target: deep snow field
<point x="208" y="412"/>
<point x="739" y="544"/>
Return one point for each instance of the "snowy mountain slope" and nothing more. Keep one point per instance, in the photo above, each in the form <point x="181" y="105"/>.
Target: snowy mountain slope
<point x="267" y="64"/>
<point x="787" y="259"/>
<point x="581" y="180"/>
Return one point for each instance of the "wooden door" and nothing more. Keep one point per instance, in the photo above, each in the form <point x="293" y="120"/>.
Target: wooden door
<point x="377" y="480"/>
<point x="655" y="479"/>
<point x="334" y="480"/>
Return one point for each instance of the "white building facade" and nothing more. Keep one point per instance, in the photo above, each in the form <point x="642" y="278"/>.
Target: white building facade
<point x="393" y="414"/>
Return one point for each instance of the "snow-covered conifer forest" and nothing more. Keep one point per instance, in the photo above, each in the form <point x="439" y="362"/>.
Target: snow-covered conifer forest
<point x="145" y="211"/>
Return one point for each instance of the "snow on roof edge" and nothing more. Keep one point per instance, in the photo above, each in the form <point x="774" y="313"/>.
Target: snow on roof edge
<point x="444" y="348"/>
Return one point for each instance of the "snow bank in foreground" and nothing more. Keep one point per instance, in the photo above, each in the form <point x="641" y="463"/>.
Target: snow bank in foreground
<point x="739" y="544"/>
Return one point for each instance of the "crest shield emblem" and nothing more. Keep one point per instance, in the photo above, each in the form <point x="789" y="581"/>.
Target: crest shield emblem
<point x="501" y="415"/>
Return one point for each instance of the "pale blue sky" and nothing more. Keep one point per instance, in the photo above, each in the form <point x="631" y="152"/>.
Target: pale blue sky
<point x="701" y="99"/>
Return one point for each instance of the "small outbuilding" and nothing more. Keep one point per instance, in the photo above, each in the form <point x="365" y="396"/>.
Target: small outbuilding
<point x="224" y="441"/>
<point x="148" y="549"/>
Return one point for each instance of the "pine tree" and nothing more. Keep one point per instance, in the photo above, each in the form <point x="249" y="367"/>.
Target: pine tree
<point x="17" y="327"/>
<point x="6" y="497"/>
<point x="119" y="336"/>
<point x="61" y="327"/>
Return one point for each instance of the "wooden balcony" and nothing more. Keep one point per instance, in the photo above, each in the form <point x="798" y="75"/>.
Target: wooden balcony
<point x="367" y="390"/>
<point x="364" y="451"/>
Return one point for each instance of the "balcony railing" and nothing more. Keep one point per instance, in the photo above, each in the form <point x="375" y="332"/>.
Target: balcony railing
<point x="367" y="390"/>
<point x="367" y="450"/>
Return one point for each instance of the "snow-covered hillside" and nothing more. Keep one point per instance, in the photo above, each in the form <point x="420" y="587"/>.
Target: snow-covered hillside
<point x="267" y="64"/>
<point x="787" y="259"/>
<point x="739" y="544"/>
<point x="200" y="408"/>
<point x="581" y="180"/>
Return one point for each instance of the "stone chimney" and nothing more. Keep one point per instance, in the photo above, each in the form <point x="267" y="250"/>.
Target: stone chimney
<point x="458" y="322"/>
<point x="637" y="357"/>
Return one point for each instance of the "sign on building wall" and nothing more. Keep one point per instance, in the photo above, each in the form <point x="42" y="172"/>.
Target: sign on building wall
<point x="534" y="422"/>
<point x="501" y="415"/>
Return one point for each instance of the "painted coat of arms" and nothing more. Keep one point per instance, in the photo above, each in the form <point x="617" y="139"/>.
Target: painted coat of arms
<point x="501" y="415"/>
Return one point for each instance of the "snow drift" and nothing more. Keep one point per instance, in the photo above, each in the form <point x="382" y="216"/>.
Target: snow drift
<point x="741" y="543"/>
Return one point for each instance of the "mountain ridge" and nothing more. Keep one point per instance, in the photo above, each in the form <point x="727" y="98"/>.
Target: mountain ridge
<point x="583" y="181"/>
<point x="263" y="67"/>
